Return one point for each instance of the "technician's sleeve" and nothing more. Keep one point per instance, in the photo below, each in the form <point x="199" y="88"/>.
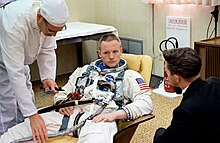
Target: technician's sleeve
<point x="47" y="59"/>
<point x="12" y="50"/>
<point x="69" y="87"/>
<point x="138" y="92"/>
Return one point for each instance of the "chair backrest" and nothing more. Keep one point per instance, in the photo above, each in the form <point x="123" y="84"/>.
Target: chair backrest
<point x="141" y="64"/>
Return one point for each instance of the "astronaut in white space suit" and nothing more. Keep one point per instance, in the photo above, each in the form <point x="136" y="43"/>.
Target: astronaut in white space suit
<point x="125" y="91"/>
<point x="27" y="30"/>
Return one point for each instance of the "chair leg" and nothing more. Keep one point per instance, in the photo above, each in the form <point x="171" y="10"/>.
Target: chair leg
<point x="125" y="136"/>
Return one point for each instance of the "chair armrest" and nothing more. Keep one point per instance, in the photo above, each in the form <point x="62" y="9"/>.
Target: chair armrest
<point x="126" y="132"/>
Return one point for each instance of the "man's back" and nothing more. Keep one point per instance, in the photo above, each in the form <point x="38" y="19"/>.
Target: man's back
<point x="207" y="112"/>
<point x="196" y="119"/>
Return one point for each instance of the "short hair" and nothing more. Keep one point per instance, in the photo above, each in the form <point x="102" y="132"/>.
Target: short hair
<point x="183" y="61"/>
<point x="107" y="38"/>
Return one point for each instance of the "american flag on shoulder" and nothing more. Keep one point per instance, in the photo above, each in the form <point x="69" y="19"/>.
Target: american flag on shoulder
<point x="142" y="84"/>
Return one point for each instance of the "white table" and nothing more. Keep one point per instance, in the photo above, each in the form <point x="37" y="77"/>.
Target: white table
<point x="160" y="91"/>
<point x="77" y="32"/>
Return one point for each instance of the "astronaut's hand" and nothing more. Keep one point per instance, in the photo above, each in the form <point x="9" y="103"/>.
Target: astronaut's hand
<point x="109" y="117"/>
<point x="66" y="111"/>
<point x="39" y="131"/>
<point x="49" y="85"/>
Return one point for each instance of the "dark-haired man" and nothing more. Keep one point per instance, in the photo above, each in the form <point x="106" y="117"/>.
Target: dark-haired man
<point x="196" y="119"/>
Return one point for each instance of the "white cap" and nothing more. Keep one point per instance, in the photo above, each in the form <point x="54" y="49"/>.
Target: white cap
<point x="54" y="11"/>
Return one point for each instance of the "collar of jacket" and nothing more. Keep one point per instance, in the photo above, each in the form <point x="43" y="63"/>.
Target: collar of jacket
<point x="194" y="86"/>
<point x="98" y="64"/>
<point x="35" y="7"/>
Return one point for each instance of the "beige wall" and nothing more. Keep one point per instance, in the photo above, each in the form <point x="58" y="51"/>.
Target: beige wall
<point x="133" y="19"/>
<point x="199" y="20"/>
<point x="125" y="15"/>
<point x="81" y="10"/>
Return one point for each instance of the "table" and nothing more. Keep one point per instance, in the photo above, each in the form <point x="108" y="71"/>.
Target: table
<point x="77" y="32"/>
<point x="161" y="92"/>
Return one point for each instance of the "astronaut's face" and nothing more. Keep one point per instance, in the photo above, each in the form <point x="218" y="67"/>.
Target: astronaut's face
<point x="110" y="53"/>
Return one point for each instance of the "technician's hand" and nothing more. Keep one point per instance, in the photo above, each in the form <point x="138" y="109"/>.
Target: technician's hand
<point x="66" y="111"/>
<point x="39" y="131"/>
<point x="49" y="85"/>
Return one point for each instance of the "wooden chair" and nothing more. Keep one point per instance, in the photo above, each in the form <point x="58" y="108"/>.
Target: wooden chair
<point x="143" y="65"/>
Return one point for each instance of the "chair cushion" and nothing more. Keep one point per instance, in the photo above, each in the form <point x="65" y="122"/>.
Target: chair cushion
<point x="62" y="139"/>
<point x="141" y="64"/>
<point x="133" y="61"/>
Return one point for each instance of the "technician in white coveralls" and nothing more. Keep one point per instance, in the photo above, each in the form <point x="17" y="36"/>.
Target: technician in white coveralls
<point x="27" y="30"/>
<point x="125" y="90"/>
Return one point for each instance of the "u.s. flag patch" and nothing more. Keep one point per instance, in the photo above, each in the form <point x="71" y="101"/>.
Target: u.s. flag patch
<point x="142" y="84"/>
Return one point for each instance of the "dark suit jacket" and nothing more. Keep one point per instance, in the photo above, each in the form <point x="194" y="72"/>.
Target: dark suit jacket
<point x="197" y="118"/>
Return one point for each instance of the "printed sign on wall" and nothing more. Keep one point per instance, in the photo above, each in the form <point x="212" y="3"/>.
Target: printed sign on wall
<point x="178" y="27"/>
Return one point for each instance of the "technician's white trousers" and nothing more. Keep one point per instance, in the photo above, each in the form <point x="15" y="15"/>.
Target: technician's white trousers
<point x="8" y="104"/>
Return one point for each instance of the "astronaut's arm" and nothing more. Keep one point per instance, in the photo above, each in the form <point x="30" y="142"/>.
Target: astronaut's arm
<point x="138" y="92"/>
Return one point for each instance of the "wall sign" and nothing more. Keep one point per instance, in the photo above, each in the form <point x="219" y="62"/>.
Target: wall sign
<point x="178" y="27"/>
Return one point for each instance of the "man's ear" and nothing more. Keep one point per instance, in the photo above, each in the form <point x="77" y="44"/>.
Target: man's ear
<point x="99" y="53"/>
<point x="177" y="78"/>
<point x="121" y="49"/>
<point x="39" y="17"/>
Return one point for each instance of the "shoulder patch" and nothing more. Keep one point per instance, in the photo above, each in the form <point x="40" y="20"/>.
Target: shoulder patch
<point x="142" y="84"/>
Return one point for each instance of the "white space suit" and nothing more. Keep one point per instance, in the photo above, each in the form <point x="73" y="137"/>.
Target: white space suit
<point x="131" y="89"/>
<point x="21" y="43"/>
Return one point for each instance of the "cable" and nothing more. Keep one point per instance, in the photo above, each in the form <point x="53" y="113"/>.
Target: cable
<point x="207" y="33"/>
<point x="212" y="33"/>
<point x="215" y="15"/>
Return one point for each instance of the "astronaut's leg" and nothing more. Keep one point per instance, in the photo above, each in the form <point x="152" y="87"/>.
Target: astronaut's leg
<point x="102" y="132"/>
<point x="52" y="120"/>
<point x="17" y="132"/>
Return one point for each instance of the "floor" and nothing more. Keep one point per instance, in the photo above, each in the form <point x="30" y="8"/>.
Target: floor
<point x="41" y="98"/>
<point x="163" y="108"/>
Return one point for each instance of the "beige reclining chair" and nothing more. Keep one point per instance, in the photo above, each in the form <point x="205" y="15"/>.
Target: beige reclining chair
<point x="143" y="65"/>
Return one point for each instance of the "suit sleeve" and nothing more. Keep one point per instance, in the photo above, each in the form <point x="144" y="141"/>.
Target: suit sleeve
<point x="138" y="92"/>
<point x="47" y="59"/>
<point x="12" y="50"/>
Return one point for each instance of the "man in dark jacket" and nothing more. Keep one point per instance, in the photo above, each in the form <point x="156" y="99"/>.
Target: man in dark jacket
<point x="197" y="118"/>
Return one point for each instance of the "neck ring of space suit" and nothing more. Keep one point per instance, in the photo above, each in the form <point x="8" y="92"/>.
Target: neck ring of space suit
<point x="103" y="69"/>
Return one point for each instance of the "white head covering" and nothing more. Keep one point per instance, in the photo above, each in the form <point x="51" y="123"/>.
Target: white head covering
<point x="54" y="11"/>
